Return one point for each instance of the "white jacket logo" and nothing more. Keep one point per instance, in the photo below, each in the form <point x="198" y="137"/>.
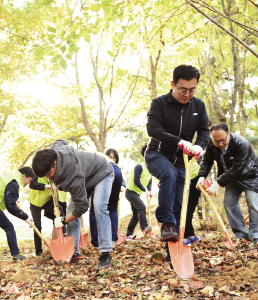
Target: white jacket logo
<point x="195" y="114"/>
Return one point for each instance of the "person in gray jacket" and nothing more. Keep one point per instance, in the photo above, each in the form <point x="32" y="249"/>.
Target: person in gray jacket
<point x="80" y="173"/>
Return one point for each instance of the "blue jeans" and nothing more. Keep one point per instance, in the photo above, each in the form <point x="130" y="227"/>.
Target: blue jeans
<point x="101" y="197"/>
<point x="171" y="187"/>
<point x="7" y="226"/>
<point x="233" y="192"/>
<point x="112" y="208"/>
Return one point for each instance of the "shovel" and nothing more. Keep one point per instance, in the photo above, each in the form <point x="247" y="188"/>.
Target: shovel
<point x="121" y="238"/>
<point x="84" y="237"/>
<point x="229" y="244"/>
<point x="181" y="255"/>
<point x="246" y="219"/>
<point x="36" y="229"/>
<point x="62" y="249"/>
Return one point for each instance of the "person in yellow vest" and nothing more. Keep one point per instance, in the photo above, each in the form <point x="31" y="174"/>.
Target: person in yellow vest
<point x="10" y="183"/>
<point x="139" y="182"/>
<point x="40" y="199"/>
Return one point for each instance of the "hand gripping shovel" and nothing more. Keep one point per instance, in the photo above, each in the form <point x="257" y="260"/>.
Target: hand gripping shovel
<point x="36" y="229"/>
<point x="62" y="249"/>
<point x="181" y="255"/>
<point x="229" y="244"/>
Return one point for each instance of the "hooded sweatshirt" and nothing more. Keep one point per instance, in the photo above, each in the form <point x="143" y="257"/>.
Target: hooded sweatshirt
<point x="78" y="171"/>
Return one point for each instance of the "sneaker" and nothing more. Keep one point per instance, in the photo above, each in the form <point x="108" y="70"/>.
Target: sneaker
<point x="76" y="257"/>
<point x="147" y="229"/>
<point x="18" y="257"/>
<point x="168" y="233"/>
<point x="105" y="260"/>
<point x="130" y="238"/>
<point x="191" y="240"/>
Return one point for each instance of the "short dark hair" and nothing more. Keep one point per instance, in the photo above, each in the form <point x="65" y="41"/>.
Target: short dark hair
<point x="144" y="147"/>
<point x="27" y="171"/>
<point x="43" y="161"/>
<point x="109" y="151"/>
<point x="186" y="72"/>
<point x="219" y="126"/>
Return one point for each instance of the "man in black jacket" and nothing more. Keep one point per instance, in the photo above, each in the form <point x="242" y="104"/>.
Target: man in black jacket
<point x="237" y="172"/>
<point x="173" y="120"/>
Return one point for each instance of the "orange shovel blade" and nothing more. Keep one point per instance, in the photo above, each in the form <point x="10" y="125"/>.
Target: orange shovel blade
<point x="181" y="259"/>
<point x="83" y="241"/>
<point x="62" y="249"/>
<point x="229" y="243"/>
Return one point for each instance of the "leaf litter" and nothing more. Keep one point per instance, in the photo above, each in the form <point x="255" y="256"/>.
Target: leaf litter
<point x="139" y="271"/>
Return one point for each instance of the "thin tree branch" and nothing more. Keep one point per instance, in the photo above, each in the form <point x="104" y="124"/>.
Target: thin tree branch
<point x="223" y="28"/>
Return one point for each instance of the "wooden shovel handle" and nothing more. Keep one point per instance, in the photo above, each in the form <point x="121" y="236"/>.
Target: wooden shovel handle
<point x="36" y="229"/>
<point x="213" y="207"/>
<point x="53" y="192"/>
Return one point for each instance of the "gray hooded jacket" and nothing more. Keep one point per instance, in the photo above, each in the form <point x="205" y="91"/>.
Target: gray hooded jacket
<point x="78" y="171"/>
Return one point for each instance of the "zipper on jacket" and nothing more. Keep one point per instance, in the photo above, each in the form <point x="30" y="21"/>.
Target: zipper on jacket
<point x="179" y="135"/>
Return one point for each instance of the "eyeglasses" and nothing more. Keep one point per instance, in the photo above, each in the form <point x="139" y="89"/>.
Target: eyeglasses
<point x="220" y="142"/>
<point x="183" y="91"/>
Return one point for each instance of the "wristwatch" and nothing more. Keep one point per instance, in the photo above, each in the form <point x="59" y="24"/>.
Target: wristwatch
<point x="63" y="221"/>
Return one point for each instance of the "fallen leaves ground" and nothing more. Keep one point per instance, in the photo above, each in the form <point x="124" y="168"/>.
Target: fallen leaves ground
<point x="139" y="272"/>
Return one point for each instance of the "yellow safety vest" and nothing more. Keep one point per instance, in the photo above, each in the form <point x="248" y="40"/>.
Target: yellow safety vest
<point x="40" y="198"/>
<point x="145" y="179"/>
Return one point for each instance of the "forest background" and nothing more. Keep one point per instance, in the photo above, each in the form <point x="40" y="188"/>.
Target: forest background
<point x="86" y="71"/>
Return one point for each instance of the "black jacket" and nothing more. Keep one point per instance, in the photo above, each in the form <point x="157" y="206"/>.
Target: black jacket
<point x="240" y="160"/>
<point x="170" y="121"/>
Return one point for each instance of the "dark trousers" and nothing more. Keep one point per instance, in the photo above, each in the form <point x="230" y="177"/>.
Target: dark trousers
<point x="194" y="195"/>
<point x="139" y="212"/>
<point x="36" y="216"/>
<point x="7" y="226"/>
<point x="112" y="208"/>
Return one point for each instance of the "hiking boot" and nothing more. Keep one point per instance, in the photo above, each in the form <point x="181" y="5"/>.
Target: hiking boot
<point x="147" y="229"/>
<point x="130" y="237"/>
<point x="105" y="260"/>
<point x="191" y="240"/>
<point x="18" y="257"/>
<point x="168" y="233"/>
<point x="76" y="257"/>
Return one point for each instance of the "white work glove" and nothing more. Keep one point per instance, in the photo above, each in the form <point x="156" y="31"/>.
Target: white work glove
<point x="122" y="188"/>
<point x="187" y="146"/>
<point x="58" y="222"/>
<point x="197" y="151"/>
<point x="200" y="181"/>
<point x="28" y="221"/>
<point x="148" y="194"/>
<point x="48" y="186"/>
<point x="213" y="189"/>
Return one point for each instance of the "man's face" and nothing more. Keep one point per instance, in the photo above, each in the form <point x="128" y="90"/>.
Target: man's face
<point x="26" y="180"/>
<point x="184" y="90"/>
<point x="51" y="173"/>
<point x="220" y="138"/>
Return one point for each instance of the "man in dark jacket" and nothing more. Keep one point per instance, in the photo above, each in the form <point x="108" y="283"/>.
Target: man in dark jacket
<point x="10" y="183"/>
<point x="80" y="173"/>
<point x="237" y="172"/>
<point x="173" y="120"/>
